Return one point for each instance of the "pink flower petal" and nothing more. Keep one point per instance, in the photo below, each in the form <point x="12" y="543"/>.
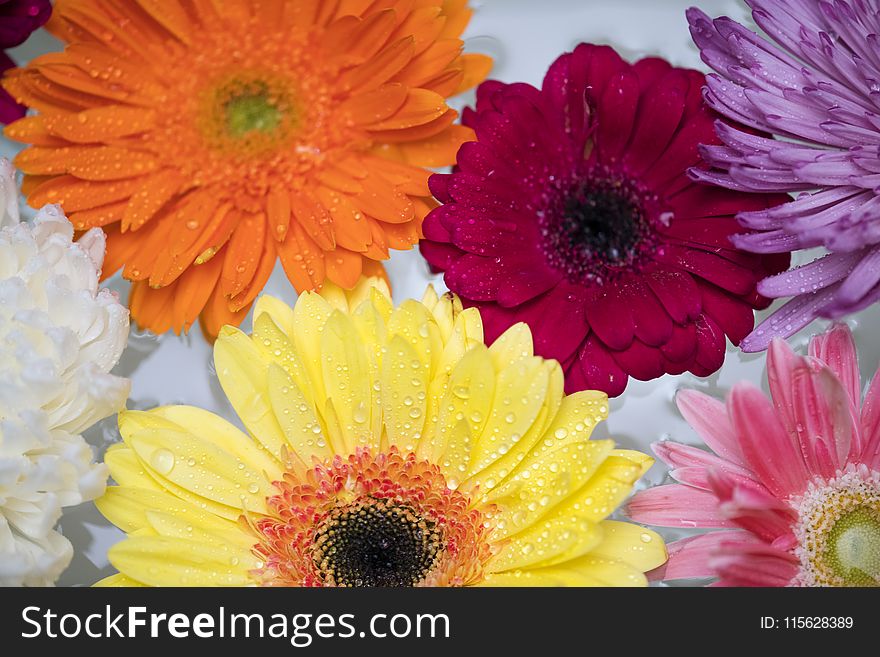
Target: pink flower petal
<point x="749" y="505"/>
<point x="710" y="420"/>
<point x="769" y="450"/>
<point x="870" y="423"/>
<point x="837" y="350"/>
<point x="677" y="505"/>
<point x="689" y="558"/>
<point x="753" y="565"/>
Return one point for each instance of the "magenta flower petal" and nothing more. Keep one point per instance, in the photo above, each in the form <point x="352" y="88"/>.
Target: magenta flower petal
<point x="820" y="91"/>
<point x="797" y="476"/>
<point x="573" y="212"/>
<point x="18" y="18"/>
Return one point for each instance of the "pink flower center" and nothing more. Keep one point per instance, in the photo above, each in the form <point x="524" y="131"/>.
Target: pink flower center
<point x="599" y="225"/>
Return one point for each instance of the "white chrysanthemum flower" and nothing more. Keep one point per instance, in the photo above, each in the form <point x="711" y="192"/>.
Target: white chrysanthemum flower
<point x="60" y="335"/>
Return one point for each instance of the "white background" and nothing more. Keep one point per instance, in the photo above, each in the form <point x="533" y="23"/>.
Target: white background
<point x="524" y="37"/>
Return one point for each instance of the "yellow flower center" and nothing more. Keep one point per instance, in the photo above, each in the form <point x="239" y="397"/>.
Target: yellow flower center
<point x="839" y="531"/>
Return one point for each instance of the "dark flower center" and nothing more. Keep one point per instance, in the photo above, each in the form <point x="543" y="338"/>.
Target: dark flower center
<point x="377" y="543"/>
<point x="598" y="226"/>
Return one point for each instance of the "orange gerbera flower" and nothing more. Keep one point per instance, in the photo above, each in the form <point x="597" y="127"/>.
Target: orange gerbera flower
<point x="209" y="137"/>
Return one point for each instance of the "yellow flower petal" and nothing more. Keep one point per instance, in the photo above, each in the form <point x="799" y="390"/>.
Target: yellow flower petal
<point x="172" y="525"/>
<point x="213" y="428"/>
<point x="279" y="312"/>
<point x="639" y="547"/>
<point x="513" y="345"/>
<point x="118" y="580"/>
<point x="556" y="576"/>
<point x="412" y="322"/>
<point x="404" y="395"/>
<point x="310" y="315"/>
<point x="610" y="572"/>
<point x="127" y="469"/>
<point x="642" y="460"/>
<point x="296" y="416"/>
<point x="242" y="374"/>
<point x="162" y="561"/>
<point x="346" y="379"/>
<point x="548" y="542"/>
<point x="545" y="481"/>
<point x="520" y="390"/>
<point x="202" y="468"/>
<point x="501" y="468"/>
<point x="607" y="488"/>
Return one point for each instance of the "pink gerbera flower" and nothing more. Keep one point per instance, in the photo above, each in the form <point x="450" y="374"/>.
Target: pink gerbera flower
<point x="794" y="484"/>
<point x="573" y="212"/>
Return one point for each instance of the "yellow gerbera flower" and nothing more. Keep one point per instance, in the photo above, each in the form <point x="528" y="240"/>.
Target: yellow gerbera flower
<point x="387" y="447"/>
<point x="212" y="138"/>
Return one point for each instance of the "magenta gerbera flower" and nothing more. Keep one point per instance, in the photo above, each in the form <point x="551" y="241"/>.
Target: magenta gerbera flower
<point x="793" y="484"/>
<point x="573" y="213"/>
<point x="18" y="18"/>
<point x="819" y="85"/>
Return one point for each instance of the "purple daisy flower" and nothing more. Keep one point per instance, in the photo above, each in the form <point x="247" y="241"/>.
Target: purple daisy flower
<point x="18" y="18"/>
<point x="815" y="84"/>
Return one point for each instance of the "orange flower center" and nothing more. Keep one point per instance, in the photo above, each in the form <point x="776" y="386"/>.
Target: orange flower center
<point x="372" y="520"/>
<point x="246" y="116"/>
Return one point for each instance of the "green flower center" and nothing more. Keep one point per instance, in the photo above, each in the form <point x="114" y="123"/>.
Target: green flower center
<point x="251" y="112"/>
<point x="838" y="531"/>
<point x="854" y="547"/>
<point x="248" y="114"/>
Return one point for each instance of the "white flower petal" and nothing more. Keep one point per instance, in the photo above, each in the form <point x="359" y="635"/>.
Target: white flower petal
<point x="60" y="335"/>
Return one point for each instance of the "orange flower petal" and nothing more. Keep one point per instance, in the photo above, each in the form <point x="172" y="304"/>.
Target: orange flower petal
<point x="402" y="236"/>
<point x="349" y="224"/>
<point x="77" y="80"/>
<point x="243" y="254"/>
<point x="380" y="68"/>
<point x="86" y="162"/>
<point x="457" y="17"/>
<point x="360" y="38"/>
<point x="446" y="83"/>
<point x="153" y="193"/>
<point x="382" y="200"/>
<point x="436" y="58"/>
<point x="344" y="267"/>
<point x="410" y="180"/>
<point x="375" y="105"/>
<point x="417" y="132"/>
<point x="99" y="123"/>
<point x="121" y="247"/>
<point x="32" y="130"/>
<point x="278" y="212"/>
<point x="313" y="218"/>
<point x="374" y="269"/>
<point x="74" y="194"/>
<point x="100" y="216"/>
<point x="421" y="107"/>
<point x="302" y="259"/>
<point x="152" y="309"/>
<point x="193" y="290"/>
<point x="170" y="15"/>
<point x="425" y="24"/>
<point x="218" y="314"/>
<point x="439" y="150"/>
<point x="267" y="263"/>
<point x="476" y="69"/>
